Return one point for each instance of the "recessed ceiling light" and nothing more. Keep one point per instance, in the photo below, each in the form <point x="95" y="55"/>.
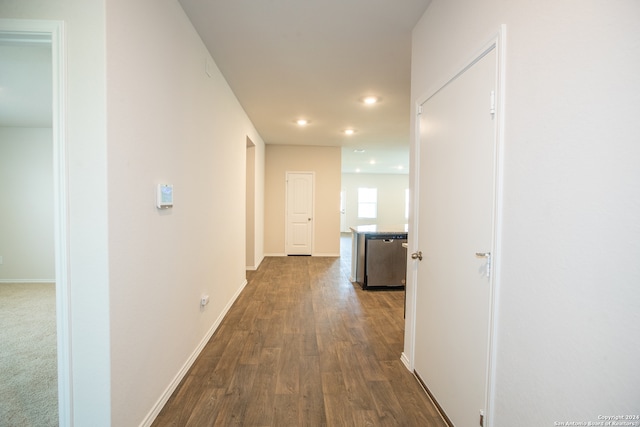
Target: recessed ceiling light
<point x="358" y="150"/>
<point x="302" y="122"/>
<point x="372" y="162"/>
<point x="369" y="100"/>
<point x="357" y="170"/>
<point x="349" y="131"/>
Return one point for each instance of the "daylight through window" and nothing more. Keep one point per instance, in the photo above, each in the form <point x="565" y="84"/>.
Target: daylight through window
<point x="367" y="202"/>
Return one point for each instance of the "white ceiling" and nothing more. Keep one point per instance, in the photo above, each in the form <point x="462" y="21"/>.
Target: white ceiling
<point x="284" y="60"/>
<point x="316" y="59"/>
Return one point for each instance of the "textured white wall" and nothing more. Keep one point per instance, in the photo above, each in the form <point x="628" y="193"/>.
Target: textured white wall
<point x="26" y="169"/>
<point x="568" y="318"/>
<point x="169" y="122"/>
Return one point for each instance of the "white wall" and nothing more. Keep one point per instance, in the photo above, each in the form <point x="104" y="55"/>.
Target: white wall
<point x="136" y="274"/>
<point x="85" y="132"/>
<point x="391" y="197"/>
<point x="26" y="171"/>
<point x="168" y="122"/>
<point x="568" y="295"/>
<point x="325" y="162"/>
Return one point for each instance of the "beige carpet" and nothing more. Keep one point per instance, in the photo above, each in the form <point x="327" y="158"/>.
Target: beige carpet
<point x="28" y="371"/>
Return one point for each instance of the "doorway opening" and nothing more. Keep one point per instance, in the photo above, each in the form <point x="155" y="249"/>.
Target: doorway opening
<point x="33" y="71"/>
<point x="457" y="227"/>
<point x="250" y="229"/>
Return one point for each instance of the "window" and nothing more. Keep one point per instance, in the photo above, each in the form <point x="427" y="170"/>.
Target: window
<point x="367" y="202"/>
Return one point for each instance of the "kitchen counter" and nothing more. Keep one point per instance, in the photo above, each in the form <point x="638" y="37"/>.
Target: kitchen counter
<point x="378" y="256"/>
<point x="380" y="229"/>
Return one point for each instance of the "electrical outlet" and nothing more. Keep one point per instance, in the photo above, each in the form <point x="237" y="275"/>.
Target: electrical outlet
<point x="204" y="300"/>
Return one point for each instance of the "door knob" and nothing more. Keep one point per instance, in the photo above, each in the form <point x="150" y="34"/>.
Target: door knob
<point x="417" y="255"/>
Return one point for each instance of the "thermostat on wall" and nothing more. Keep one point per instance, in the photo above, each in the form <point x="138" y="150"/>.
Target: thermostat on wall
<point x="164" y="197"/>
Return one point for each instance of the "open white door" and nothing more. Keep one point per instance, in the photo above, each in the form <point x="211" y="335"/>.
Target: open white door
<point x="457" y="154"/>
<point x="299" y="200"/>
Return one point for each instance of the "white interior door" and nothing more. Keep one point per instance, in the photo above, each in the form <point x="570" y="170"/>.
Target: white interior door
<point x="455" y="221"/>
<point x="299" y="200"/>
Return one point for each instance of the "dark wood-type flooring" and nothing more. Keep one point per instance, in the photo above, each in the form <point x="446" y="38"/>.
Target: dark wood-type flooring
<point x="302" y="346"/>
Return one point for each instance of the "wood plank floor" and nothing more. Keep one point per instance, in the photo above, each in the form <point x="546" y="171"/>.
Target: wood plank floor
<point x="302" y="346"/>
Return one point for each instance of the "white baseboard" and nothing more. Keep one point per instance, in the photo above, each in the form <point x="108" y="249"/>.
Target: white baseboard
<point x="405" y="361"/>
<point x="27" y="280"/>
<point x="151" y="416"/>
<point x="276" y="254"/>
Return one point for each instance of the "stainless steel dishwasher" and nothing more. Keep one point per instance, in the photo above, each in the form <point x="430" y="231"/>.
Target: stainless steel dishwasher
<point x="385" y="260"/>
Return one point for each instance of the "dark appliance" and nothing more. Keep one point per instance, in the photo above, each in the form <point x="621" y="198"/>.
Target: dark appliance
<point x="384" y="261"/>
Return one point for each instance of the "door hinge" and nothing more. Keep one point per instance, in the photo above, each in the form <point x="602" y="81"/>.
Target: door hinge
<point x="492" y="108"/>
<point x="481" y="418"/>
<point x="486" y="255"/>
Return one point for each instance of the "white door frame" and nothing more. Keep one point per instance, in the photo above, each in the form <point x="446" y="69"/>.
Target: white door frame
<point x="497" y="41"/>
<point x="343" y="211"/>
<point x="55" y="30"/>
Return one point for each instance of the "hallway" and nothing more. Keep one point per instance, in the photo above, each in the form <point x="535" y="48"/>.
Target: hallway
<point x="304" y="346"/>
